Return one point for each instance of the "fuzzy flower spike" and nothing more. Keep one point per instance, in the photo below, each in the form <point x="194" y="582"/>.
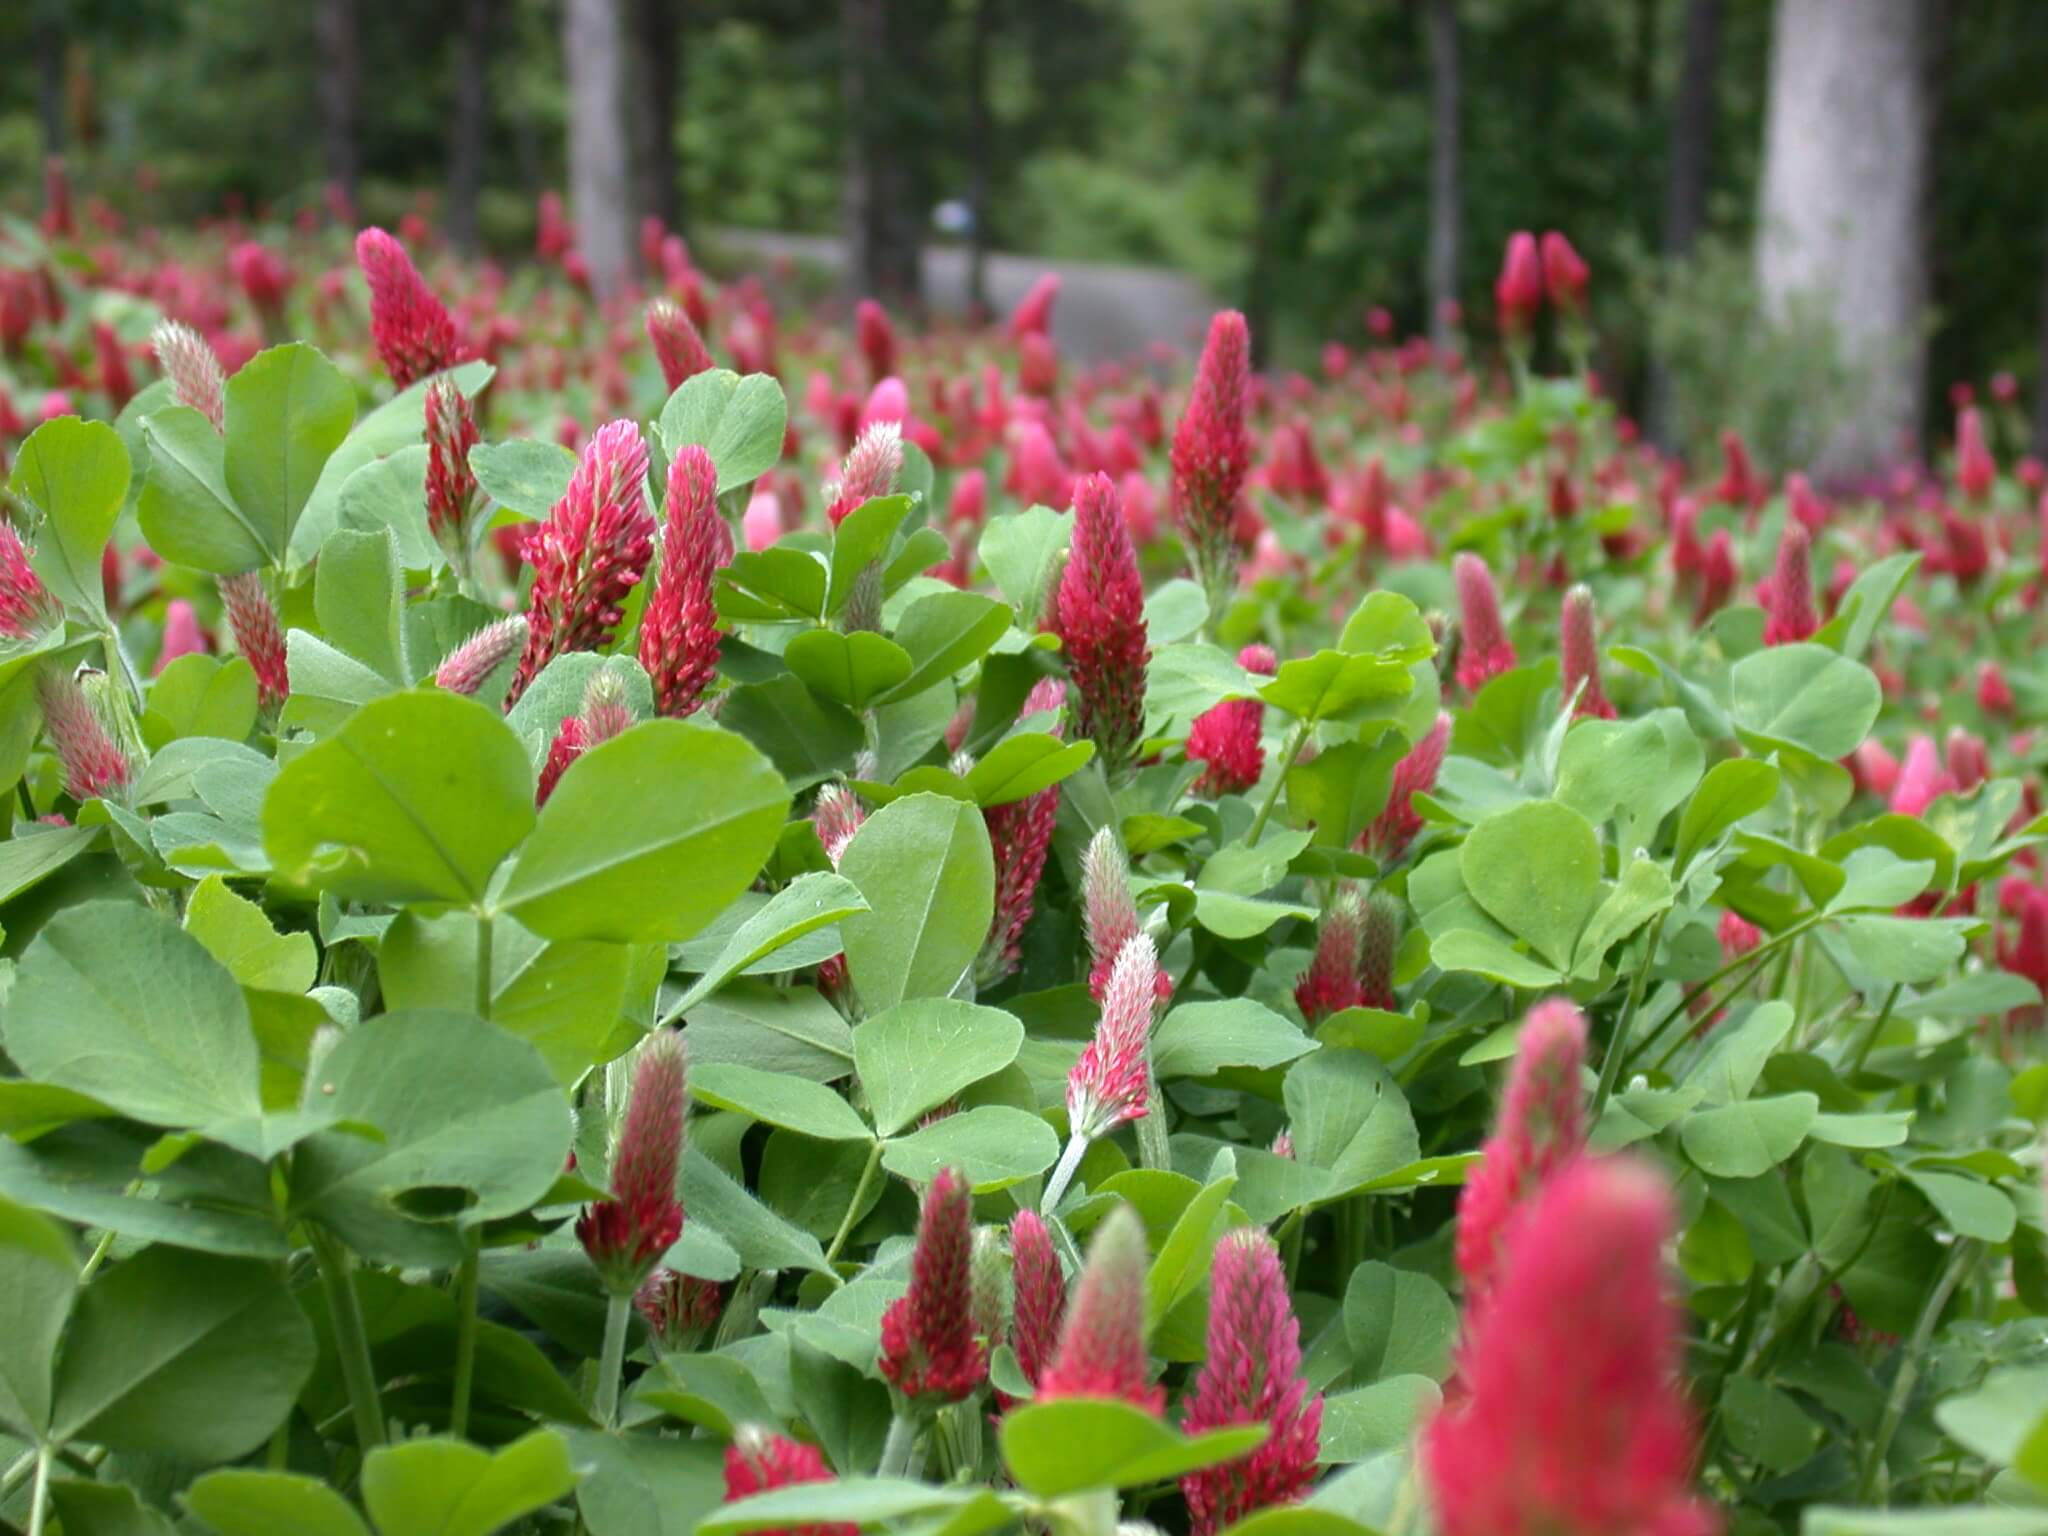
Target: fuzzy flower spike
<point x="679" y="633"/>
<point x="451" y="487"/>
<point x="1020" y="834"/>
<point x="1581" y="655"/>
<point x="94" y="764"/>
<point x="930" y="1354"/>
<point x="1211" y="455"/>
<point x="1111" y="1081"/>
<point x="870" y="470"/>
<point x="1101" y="623"/>
<point x="677" y="346"/>
<point x="1039" y="1290"/>
<point x="1484" y="650"/>
<point x="626" y="1235"/>
<point x="411" y="328"/>
<point x="1102" y="1343"/>
<point x="258" y="636"/>
<point x="194" y="372"/>
<point x="28" y="609"/>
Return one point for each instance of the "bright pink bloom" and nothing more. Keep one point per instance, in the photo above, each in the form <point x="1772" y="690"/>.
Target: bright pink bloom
<point x="588" y="554"/>
<point x="929" y="1351"/>
<point x="603" y="715"/>
<point x="116" y="379"/>
<point x="451" y="486"/>
<point x="677" y="346"/>
<point x="257" y="636"/>
<point x="1572" y="1415"/>
<point x="870" y="470"/>
<point x="1805" y="505"/>
<point x="1541" y="1129"/>
<point x="1741" y="485"/>
<point x="678" y="1308"/>
<point x="1225" y="737"/>
<point x="762" y="523"/>
<point x="1565" y="275"/>
<point x="1101" y="622"/>
<point x="1033" y="314"/>
<point x="876" y="338"/>
<point x="969" y="503"/>
<point x="94" y="765"/>
<point x="1922" y="779"/>
<point x="1484" y="650"/>
<point x="195" y="373"/>
<point x="182" y="635"/>
<point x="1102" y="1344"/>
<point x="1738" y="935"/>
<point x="1212" y="453"/>
<point x="679" y="632"/>
<point x="1037" y="475"/>
<point x="626" y="1235"/>
<point x="1967" y="759"/>
<point x="1040" y="1292"/>
<point x="1038" y="365"/>
<point x="1581" y="653"/>
<point x="1108" y="1083"/>
<point x="1251" y="1375"/>
<point x="1390" y="833"/>
<point x="1789" y="593"/>
<point x="1331" y="982"/>
<point x="1020" y="834"/>
<point x="1518" y="291"/>
<point x="1718" y="576"/>
<point x="264" y="276"/>
<point x="1976" y="469"/>
<point x="464" y="669"/>
<point x="411" y="328"/>
<point x="759" y="1461"/>
<point x="27" y="607"/>
<point x="1874" y="768"/>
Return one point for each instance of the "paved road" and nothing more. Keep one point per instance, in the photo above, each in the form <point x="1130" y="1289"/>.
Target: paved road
<point x="1103" y="312"/>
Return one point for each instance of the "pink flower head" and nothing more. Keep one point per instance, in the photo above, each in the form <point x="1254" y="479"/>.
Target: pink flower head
<point x="1033" y="314"/>
<point x="589" y="552"/>
<point x="603" y="715"/>
<point x="679" y="632"/>
<point x="1101" y="622"/>
<point x="759" y="1461"/>
<point x="1212" y="452"/>
<point x="411" y="328"/>
<point x="1738" y="935"/>
<point x="1390" y="833"/>
<point x="1573" y="1417"/>
<point x="876" y="338"/>
<point x="1540" y="1130"/>
<point x="1040" y="1290"/>
<point x="1020" y="834"/>
<point x="1741" y="485"/>
<point x="1037" y="475"/>
<point x="451" y="487"/>
<point x="1581" y="652"/>
<point x="1251" y="1375"/>
<point x="1518" y="291"/>
<point x="1922" y="779"/>
<point x="264" y="276"/>
<point x="1976" y="469"/>
<point x="1225" y="737"/>
<point x="626" y="1235"/>
<point x="1108" y="1083"/>
<point x="1994" y="693"/>
<point x="1331" y="982"/>
<point x="1038" y="365"/>
<point x="116" y="379"/>
<point x="1379" y="945"/>
<point x="1102" y="1343"/>
<point x="929" y="1351"/>
<point x="1565" y="275"/>
<point x="677" y="1308"/>
<point x="1805" y="504"/>
<point x="195" y="373"/>
<point x="1718" y="576"/>
<point x="677" y="346"/>
<point x="1109" y="914"/>
<point x="94" y="764"/>
<point x="257" y="636"/>
<point x="2025" y="952"/>
<point x="870" y="470"/>
<point x="27" y="608"/>
<point x="1967" y="759"/>
<point x="182" y="635"/>
<point x="968" y="505"/>
<point x="464" y="669"/>
<point x="1789" y="593"/>
<point x="837" y="816"/>
<point x="1484" y="650"/>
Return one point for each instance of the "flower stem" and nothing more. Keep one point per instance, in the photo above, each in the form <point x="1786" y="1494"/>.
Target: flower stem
<point x="860" y="1193"/>
<point x="465" y="1333"/>
<point x="1294" y="745"/>
<point x="1153" y="1151"/>
<point x="483" y="965"/>
<point x="1959" y="1265"/>
<point x="618" y="1310"/>
<point x="899" y="1447"/>
<point x="1063" y="1174"/>
<point x="1617" y="1043"/>
<point x="39" y="1501"/>
<point x="350" y="1344"/>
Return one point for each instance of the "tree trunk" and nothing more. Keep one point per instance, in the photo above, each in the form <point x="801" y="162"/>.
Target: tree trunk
<point x="882" y="230"/>
<point x="657" y="30"/>
<point x="1687" y="179"/>
<point x="1842" y="224"/>
<point x="593" y="47"/>
<point x="981" y="148"/>
<point x="1445" y="147"/>
<point x="469" y="132"/>
<point x="1268" y="234"/>
<point x="341" y="70"/>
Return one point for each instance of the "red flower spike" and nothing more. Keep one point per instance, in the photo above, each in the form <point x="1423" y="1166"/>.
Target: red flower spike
<point x="1484" y="651"/>
<point x="588" y="554"/>
<point x="1101" y="622"/>
<point x="1741" y="485"/>
<point x="1581" y="652"/>
<point x="1033" y="314"/>
<point x="1994" y="693"/>
<point x="465" y="669"/>
<point x="2025" y="952"/>
<point x="1378" y="946"/>
<point x="1040" y="1295"/>
<point x="1518" y="291"/>
<point x="1922" y="779"/>
<point x="94" y="766"/>
<point x="870" y="470"/>
<point x="1540" y="1130"/>
<point x="837" y="815"/>
<point x="876" y="338"/>
<point x="929" y="1352"/>
<point x="1789" y="593"/>
<point x="1572" y="1415"/>
<point x="678" y="1308"/>
<point x="677" y="346"/>
<point x="1109" y="1080"/>
<point x="410" y="327"/>
<point x="626" y="1235"/>
<point x="1212" y="453"/>
<point x="182" y="635"/>
<point x="1101" y="1351"/>
<point x="603" y="715"/>
<point x="1390" y="833"/>
<point x="195" y="373"/>
<point x="1331" y="984"/>
<point x="1566" y="276"/>
<point x="257" y="636"/>
<point x="1225" y="737"/>
<point x="1976" y="469"/>
<point x="27" y="608"/>
<point x="1251" y="1375"/>
<point x="1718" y="576"/>
<point x="679" y="632"/>
<point x="1737" y="935"/>
<point x="758" y="1461"/>
<point x="1020" y="834"/>
<point x="451" y="487"/>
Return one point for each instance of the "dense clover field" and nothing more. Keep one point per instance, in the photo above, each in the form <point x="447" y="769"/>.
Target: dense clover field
<point x="659" y="917"/>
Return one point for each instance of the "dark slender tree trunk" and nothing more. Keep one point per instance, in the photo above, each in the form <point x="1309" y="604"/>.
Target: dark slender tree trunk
<point x="49" y="49"/>
<point x="981" y="148"/>
<point x="882" y="230"/>
<point x="1268" y="234"/>
<point x="1688" y="176"/>
<point x="593" y="45"/>
<point x="656" y="27"/>
<point x="1445" y="149"/>
<point x="468" y="133"/>
<point x="341" y="69"/>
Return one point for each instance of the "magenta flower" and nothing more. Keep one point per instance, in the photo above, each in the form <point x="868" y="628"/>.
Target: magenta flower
<point x="464" y="669"/>
<point x="678" y="1309"/>
<point x="1976" y="469"/>
<point x="677" y="346"/>
<point x="1212" y="453"/>
<point x="451" y="487"/>
<point x="1225" y="738"/>
<point x="1033" y="314"/>
<point x="410" y="327"/>
<point x="1922" y="779"/>
<point x="1565" y="275"/>
<point x="1020" y="834"/>
<point x="1718" y="575"/>
<point x="1789" y="593"/>
<point x="1251" y="1375"/>
<point x="257" y="635"/>
<point x="626" y="1235"/>
<point x="1540" y="1130"/>
<point x="1101" y="623"/>
<point x="182" y="635"/>
<point x="588" y="554"/>
<point x="870" y="470"/>
<point x="1040" y="1295"/>
<point x="876" y="338"/>
<point x="94" y="764"/>
<point x="1572" y="1416"/>
<point x="1484" y="650"/>
<point x="194" y="372"/>
<point x="759" y="1461"/>
<point x="1109" y="1081"/>
<point x="929" y="1350"/>
<point x="1581" y="654"/>
<point x="679" y="633"/>
<point x="1331" y="983"/>
<point x="28" y="609"/>
<point x="1518" y="291"/>
<point x="1390" y="832"/>
<point x="1101" y="1350"/>
<point x="603" y="715"/>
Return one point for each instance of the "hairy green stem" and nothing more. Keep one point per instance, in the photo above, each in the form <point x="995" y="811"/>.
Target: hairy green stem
<point x="39" y="1501"/>
<point x="860" y="1193"/>
<point x="1959" y="1265"/>
<point x="1063" y="1174"/>
<point x="465" y="1332"/>
<point x="1617" y="1043"/>
<point x="351" y="1345"/>
<point x="1295" y="741"/>
<point x="611" y="1365"/>
<point x="1153" y="1150"/>
<point x="1876" y="1027"/>
<point x="483" y="965"/>
<point x="897" y="1450"/>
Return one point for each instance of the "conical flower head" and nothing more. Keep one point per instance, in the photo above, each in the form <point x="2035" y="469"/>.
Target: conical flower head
<point x="626" y="1235"/>
<point x="1033" y="314"/>
<point x="837" y="815"/>
<point x="677" y="1308"/>
<point x="870" y="470"/>
<point x="1020" y="834"/>
<point x="1331" y="982"/>
<point x="588" y="554"/>
<point x="465" y="669"/>
<point x="1718" y="576"/>
<point x="679" y="631"/>
<point x="1484" y="650"/>
<point x="1108" y="1083"/>
<point x="1224" y="738"/>
<point x="1379" y="945"/>
<point x="451" y="486"/>
<point x="182" y="635"/>
<point x="1565" y="275"/>
<point x="257" y="635"/>
<point x="1101" y="622"/>
<point x="1101" y="1351"/>
<point x="1390" y="833"/>
<point x="1251" y="1375"/>
<point x="1922" y="779"/>
<point x="759" y="1461"/>
<point x="410" y="327"/>
<point x="1572" y="1415"/>
<point x="677" y="346"/>
<point x="929" y="1350"/>
<point x="1976" y="469"/>
<point x="1212" y="454"/>
<point x="194" y="372"/>
<point x="94" y="764"/>
<point x="604" y="713"/>
<point x="1518" y="291"/>
<point x="1040" y="1291"/>
<point x="1789" y="594"/>
<point x="1540" y="1130"/>
<point x="28" y="609"/>
<point x="1580" y="650"/>
<point x="876" y="338"/>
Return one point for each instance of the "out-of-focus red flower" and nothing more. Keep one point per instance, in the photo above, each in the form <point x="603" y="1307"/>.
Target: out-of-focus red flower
<point x="1212" y="453"/>
<point x="1580" y="650"/>
<point x="1484" y="650"/>
<point x="1788" y="595"/>
<point x="1566" y="276"/>
<point x="1976" y="469"/>
<point x="759" y="1461"/>
<point x="1518" y="291"/>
